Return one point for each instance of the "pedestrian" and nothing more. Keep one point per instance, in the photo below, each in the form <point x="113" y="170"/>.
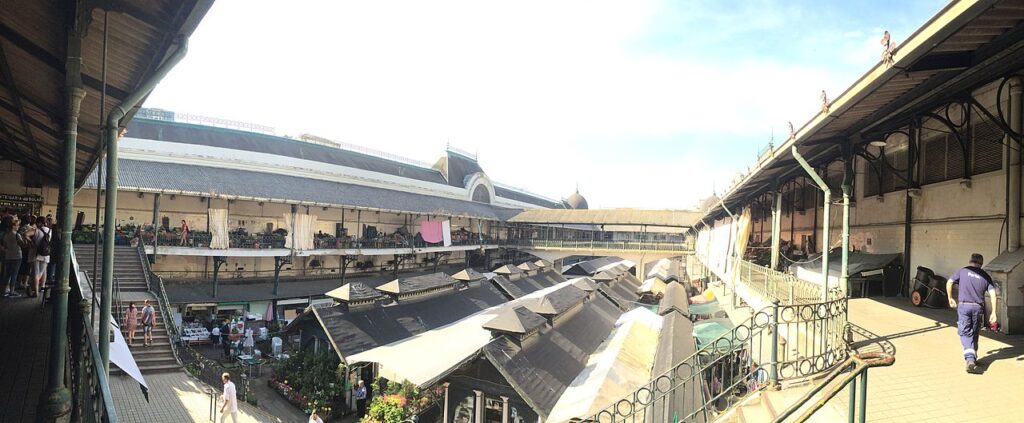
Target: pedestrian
<point x="215" y="334"/>
<point x="184" y="232"/>
<point x="51" y="266"/>
<point x="25" y="271"/>
<point x="230" y="400"/>
<point x="131" y="322"/>
<point x="12" y="243"/>
<point x="148" y="318"/>
<point x="970" y="306"/>
<point x="360" y="400"/>
<point x="41" y="238"/>
<point x="315" y="418"/>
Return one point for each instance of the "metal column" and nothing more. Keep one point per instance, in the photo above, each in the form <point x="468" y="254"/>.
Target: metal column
<point x="825" y="219"/>
<point x="776" y="226"/>
<point x="56" y="401"/>
<point x="156" y="223"/>
<point x="844" y="269"/>
<point x="113" y="131"/>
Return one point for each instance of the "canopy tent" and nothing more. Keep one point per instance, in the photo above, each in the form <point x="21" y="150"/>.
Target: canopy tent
<point x="622" y="365"/>
<point x="709" y="331"/>
<point x="704" y="309"/>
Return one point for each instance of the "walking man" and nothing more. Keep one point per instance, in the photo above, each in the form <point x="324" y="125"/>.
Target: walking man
<point x="230" y="400"/>
<point x="148" y="318"/>
<point x="970" y="309"/>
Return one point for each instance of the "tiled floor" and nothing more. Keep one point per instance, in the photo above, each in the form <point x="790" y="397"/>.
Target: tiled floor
<point x="24" y="327"/>
<point x="928" y="381"/>
<point x="173" y="397"/>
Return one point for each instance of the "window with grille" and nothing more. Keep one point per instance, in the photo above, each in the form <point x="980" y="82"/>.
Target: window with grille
<point x="870" y="179"/>
<point x="988" y="147"/>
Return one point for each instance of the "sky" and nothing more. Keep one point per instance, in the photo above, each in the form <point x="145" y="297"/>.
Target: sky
<point x="640" y="103"/>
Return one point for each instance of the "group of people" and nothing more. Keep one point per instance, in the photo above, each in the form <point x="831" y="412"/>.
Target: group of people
<point x="131" y="323"/>
<point x="27" y="245"/>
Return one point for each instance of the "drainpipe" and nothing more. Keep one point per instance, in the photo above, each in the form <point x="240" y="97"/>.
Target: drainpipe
<point x="113" y="123"/>
<point x="908" y="209"/>
<point x="824" y="220"/>
<point x="1013" y="219"/>
<point x="844" y="267"/>
<point x="776" y="226"/>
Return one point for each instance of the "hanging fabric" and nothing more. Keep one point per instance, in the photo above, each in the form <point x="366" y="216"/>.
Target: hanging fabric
<point x="219" y="229"/>
<point x="300" y="231"/>
<point x="431" y="230"/>
<point x="446" y="232"/>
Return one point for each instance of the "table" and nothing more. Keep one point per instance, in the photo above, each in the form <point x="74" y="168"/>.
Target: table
<point x="249" y="362"/>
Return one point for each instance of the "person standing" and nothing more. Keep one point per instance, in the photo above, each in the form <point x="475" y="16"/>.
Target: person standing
<point x="131" y="322"/>
<point x="148" y="318"/>
<point x="970" y="306"/>
<point x="360" y="400"/>
<point x="25" y="272"/>
<point x="12" y="245"/>
<point x="315" y="417"/>
<point x="230" y="400"/>
<point x="215" y="334"/>
<point x="184" y="232"/>
<point x="51" y="266"/>
<point x="41" y="238"/>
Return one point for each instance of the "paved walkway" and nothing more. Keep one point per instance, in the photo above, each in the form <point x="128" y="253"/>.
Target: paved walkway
<point x="24" y="351"/>
<point x="173" y="397"/>
<point x="928" y="381"/>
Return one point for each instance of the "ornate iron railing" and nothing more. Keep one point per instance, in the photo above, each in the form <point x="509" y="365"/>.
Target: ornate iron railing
<point x="90" y="390"/>
<point x="776" y="343"/>
<point x="854" y="366"/>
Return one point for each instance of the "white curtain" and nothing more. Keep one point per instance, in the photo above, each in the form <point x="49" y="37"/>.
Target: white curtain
<point x="219" y="229"/>
<point x="300" y="231"/>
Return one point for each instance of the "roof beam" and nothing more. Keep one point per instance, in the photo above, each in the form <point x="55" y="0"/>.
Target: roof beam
<point x="8" y="77"/>
<point x="942" y="61"/>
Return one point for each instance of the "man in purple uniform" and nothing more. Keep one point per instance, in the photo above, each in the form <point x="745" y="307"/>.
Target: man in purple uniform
<point x="974" y="283"/>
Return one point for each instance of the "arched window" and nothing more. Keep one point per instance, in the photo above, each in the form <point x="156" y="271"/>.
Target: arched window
<point x="481" y="195"/>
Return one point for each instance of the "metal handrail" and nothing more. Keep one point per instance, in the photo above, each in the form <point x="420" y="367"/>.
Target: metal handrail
<point x="165" y="304"/>
<point x="857" y="365"/>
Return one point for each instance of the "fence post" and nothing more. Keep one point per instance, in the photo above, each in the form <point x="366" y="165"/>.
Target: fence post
<point x="853" y="399"/>
<point x="863" y="396"/>
<point x="775" y="344"/>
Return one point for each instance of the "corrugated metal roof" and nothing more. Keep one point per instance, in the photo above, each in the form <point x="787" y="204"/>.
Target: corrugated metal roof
<point x="33" y="46"/>
<point x="673" y="218"/>
<point x="259" y="186"/>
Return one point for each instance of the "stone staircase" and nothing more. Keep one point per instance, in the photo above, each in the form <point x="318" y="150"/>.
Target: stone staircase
<point x="131" y="280"/>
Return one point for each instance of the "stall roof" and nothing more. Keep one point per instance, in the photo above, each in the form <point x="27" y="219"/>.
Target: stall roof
<point x="439" y="351"/>
<point x="468" y="274"/>
<point x="556" y="302"/>
<point x="528" y="266"/>
<point x="542" y="370"/>
<point x="508" y="269"/>
<point x="413" y="284"/>
<point x="676" y="299"/>
<point x="622" y="365"/>
<point x="354" y="291"/>
<point x="962" y="47"/>
<point x="593" y="266"/>
<point x="518" y="319"/>
<point x="527" y="284"/>
<point x="353" y="332"/>
<point x="675" y="345"/>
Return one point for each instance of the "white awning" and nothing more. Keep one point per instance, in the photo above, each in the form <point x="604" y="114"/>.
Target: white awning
<point x="293" y="301"/>
<point x="121" y="356"/>
<point x="622" y="365"/>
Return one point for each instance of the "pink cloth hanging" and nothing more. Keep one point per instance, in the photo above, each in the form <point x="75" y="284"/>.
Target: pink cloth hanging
<point x="431" y="231"/>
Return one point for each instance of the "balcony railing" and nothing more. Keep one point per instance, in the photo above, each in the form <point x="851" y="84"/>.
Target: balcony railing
<point x="774" y="285"/>
<point x="90" y="390"/>
<point x="777" y="343"/>
<point x="600" y="245"/>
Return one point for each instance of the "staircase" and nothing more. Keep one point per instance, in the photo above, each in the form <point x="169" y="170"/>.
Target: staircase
<point x="131" y="282"/>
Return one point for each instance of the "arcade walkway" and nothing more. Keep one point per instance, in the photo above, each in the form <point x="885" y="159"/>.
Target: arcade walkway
<point x="928" y="381"/>
<point x="25" y="327"/>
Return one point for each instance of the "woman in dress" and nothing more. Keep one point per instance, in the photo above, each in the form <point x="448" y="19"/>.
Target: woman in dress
<point x="131" y="322"/>
<point x="184" y="232"/>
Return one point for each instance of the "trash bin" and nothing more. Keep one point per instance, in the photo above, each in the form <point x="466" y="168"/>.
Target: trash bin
<point x="929" y="290"/>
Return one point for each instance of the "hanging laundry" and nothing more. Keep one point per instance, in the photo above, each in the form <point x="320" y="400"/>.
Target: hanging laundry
<point x="430" y="230"/>
<point x="446" y="231"/>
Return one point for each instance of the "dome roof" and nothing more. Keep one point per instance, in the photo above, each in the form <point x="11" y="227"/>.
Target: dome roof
<point x="576" y="201"/>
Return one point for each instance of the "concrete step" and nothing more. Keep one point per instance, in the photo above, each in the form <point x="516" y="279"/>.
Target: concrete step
<point x="159" y="368"/>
